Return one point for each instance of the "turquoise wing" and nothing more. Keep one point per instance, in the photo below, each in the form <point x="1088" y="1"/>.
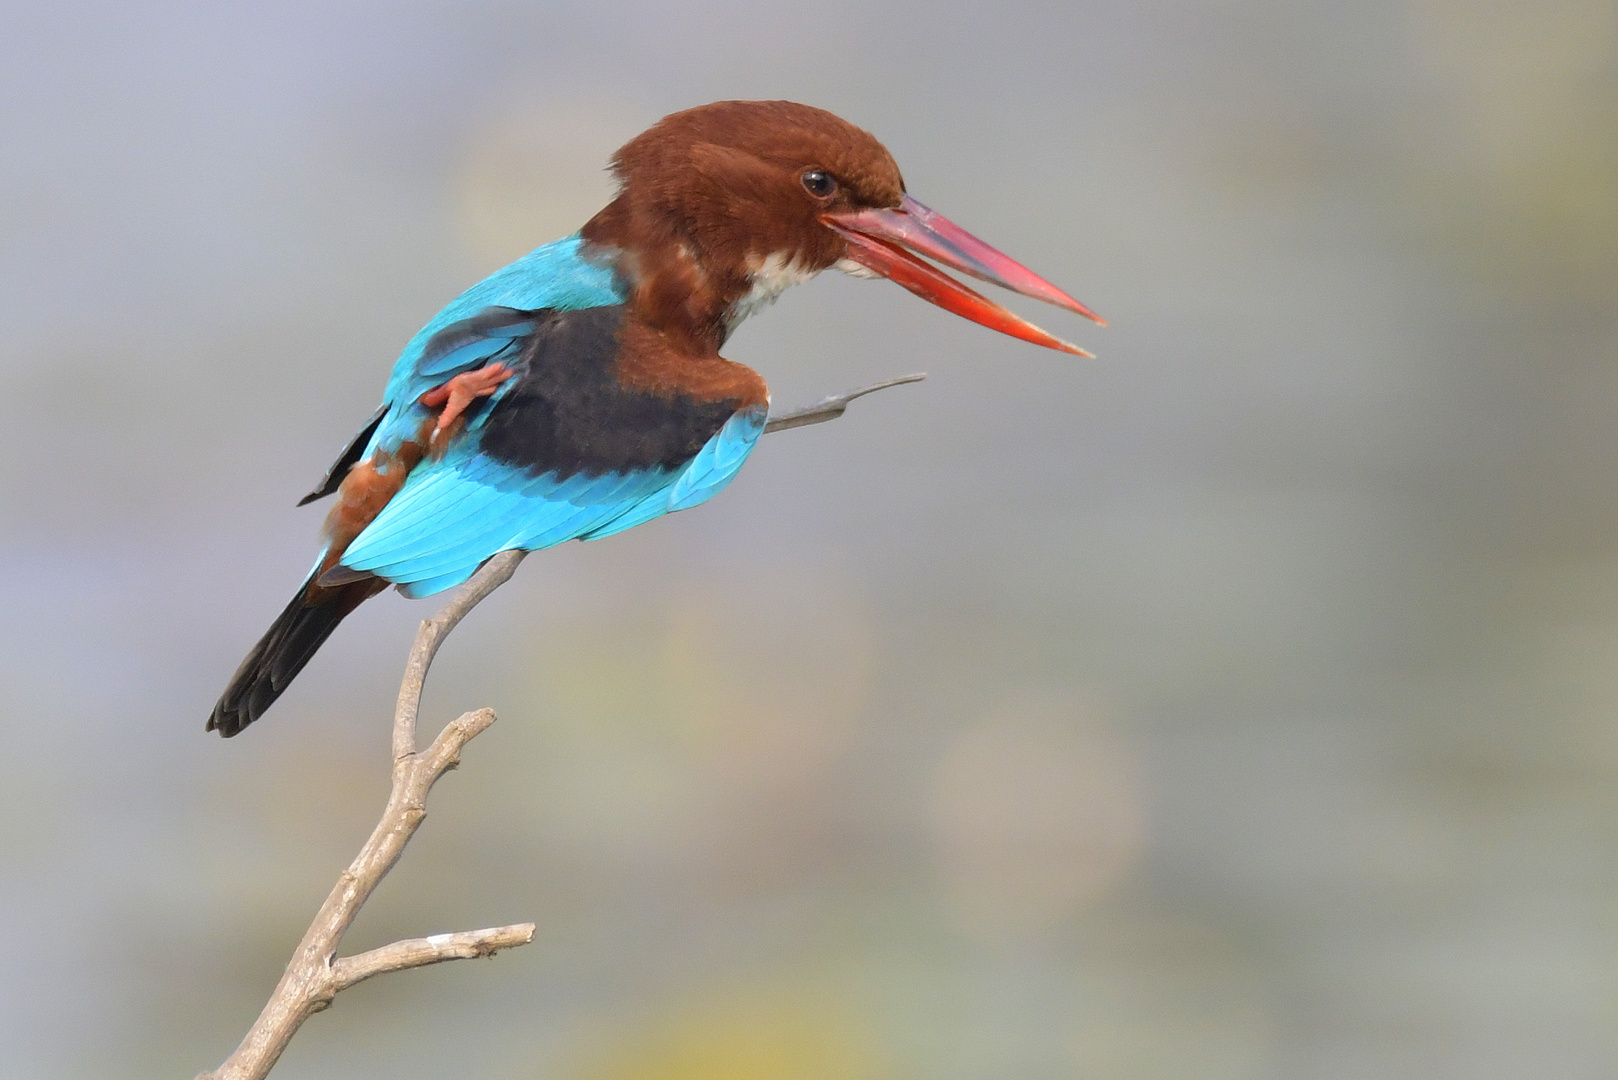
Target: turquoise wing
<point x="487" y="323"/>
<point x="454" y="513"/>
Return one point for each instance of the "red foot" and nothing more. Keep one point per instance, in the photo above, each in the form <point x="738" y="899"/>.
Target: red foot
<point x="462" y="390"/>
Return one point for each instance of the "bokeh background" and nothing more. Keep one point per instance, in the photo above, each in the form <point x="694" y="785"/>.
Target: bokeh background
<point x="1243" y="704"/>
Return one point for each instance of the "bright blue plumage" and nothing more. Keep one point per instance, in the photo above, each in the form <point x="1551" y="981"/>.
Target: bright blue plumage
<point x="555" y="276"/>
<point x="455" y="512"/>
<point x="709" y="472"/>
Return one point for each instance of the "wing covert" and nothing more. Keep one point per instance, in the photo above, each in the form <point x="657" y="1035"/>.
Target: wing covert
<point x="563" y="450"/>
<point x="455" y="513"/>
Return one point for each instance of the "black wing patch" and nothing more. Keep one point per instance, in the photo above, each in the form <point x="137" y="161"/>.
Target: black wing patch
<point x="566" y="413"/>
<point x="345" y="461"/>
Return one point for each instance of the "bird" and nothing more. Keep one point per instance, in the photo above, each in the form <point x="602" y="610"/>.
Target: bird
<point x="579" y="391"/>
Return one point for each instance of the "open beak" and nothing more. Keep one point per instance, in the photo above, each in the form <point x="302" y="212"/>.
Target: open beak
<point x="877" y="240"/>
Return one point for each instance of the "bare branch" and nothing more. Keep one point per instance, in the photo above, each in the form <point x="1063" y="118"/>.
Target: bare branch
<point x="490" y="576"/>
<point x="419" y="952"/>
<point x="833" y="407"/>
<point x="315" y="975"/>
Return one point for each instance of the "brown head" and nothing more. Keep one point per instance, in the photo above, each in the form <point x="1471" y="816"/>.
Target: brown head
<point x="723" y="206"/>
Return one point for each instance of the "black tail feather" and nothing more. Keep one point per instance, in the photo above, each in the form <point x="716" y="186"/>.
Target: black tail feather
<point x="284" y="649"/>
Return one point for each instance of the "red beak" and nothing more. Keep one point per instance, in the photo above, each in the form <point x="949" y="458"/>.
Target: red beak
<point x="874" y="238"/>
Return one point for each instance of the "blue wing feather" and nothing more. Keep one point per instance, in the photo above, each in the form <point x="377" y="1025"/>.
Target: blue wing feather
<point x="556" y="276"/>
<point x="526" y="521"/>
<point x="715" y="465"/>
<point x="453" y="514"/>
<point x="480" y="350"/>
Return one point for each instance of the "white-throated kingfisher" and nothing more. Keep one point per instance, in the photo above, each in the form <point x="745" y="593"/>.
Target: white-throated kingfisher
<point x="579" y="391"/>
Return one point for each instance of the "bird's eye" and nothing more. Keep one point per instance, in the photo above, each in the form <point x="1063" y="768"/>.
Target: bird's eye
<point x="819" y="184"/>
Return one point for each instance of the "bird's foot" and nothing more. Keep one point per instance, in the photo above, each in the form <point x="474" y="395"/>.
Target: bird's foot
<point x="462" y="390"/>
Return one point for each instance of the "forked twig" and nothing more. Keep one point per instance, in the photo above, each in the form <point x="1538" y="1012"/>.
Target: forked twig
<point x="315" y="974"/>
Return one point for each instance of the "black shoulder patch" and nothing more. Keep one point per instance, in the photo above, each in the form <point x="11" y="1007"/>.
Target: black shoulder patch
<point x="567" y="414"/>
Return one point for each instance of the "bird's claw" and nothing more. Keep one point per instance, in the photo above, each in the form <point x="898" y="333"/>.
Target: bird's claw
<point x="462" y="390"/>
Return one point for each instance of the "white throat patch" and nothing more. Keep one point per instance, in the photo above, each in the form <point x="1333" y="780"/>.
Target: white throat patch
<point x="771" y="276"/>
<point x="854" y="269"/>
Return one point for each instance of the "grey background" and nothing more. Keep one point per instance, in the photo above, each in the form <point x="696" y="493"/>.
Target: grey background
<point x="1240" y="704"/>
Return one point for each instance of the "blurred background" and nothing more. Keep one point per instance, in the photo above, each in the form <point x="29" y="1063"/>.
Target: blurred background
<point x="1241" y="704"/>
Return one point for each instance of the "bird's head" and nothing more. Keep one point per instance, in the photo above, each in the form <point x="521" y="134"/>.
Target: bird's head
<point x="722" y="207"/>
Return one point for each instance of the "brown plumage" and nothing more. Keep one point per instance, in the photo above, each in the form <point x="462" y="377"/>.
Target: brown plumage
<point x="708" y="194"/>
<point x="649" y="360"/>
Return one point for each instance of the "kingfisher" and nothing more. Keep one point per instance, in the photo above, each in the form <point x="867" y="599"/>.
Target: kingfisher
<point x="579" y="391"/>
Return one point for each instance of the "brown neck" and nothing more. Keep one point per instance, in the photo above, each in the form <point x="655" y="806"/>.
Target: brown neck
<point x="675" y="287"/>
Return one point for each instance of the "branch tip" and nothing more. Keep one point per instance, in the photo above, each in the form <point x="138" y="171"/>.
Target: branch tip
<point x="832" y="407"/>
